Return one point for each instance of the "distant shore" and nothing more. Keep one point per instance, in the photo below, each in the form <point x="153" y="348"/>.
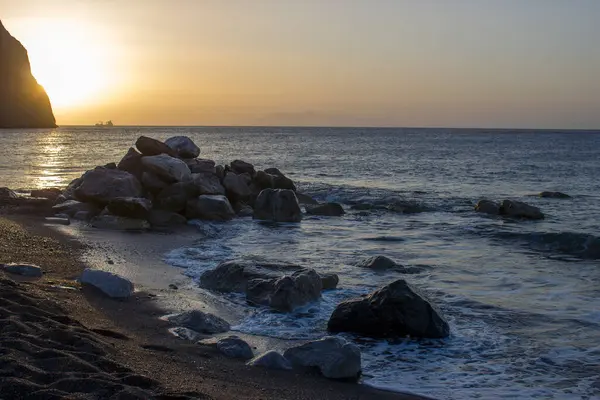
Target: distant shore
<point x="131" y="334"/>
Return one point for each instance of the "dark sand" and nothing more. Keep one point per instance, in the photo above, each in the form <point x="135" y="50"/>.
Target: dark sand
<point x="60" y="343"/>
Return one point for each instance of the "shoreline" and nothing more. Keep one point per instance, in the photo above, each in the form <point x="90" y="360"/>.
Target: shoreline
<point x="183" y="366"/>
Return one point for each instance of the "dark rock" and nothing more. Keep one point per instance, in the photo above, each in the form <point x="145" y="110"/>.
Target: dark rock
<point x="132" y="207"/>
<point x="555" y="195"/>
<point x="200" y="321"/>
<point x="236" y="187"/>
<point x="110" y="284"/>
<point x="335" y="357"/>
<point x="274" y="171"/>
<point x="29" y="270"/>
<point x="262" y="180"/>
<point x="198" y="165"/>
<point x="210" y="207"/>
<point x="132" y="163"/>
<point x="234" y="347"/>
<point x="165" y="219"/>
<point x="110" y="165"/>
<point x="72" y="207"/>
<point x="114" y="222"/>
<point x="379" y="263"/>
<point x="168" y="168"/>
<point x="487" y="207"/>
<point x="183" y="146"/>
<point x="277" y="205"/>
<point x="101" y="185"/>
<point x="327" y="209"/>
<point x="280" y="181"/>
<point x="305" y="199"/>
<point x="243" y="210"/>
<point x="396" y="310"/>
<point x="220" y="172"/>
<point x="271" y="360"/>
<point x="51" y="193"/>
<point x="286" y="293"/>
<point x="207" y="183"/>
<point x="23" y="102"/>
<point x="153" y="183"/>
<point x="240" y="167"/>
<point x="329" y="280"/>
<point x="152" y="147"/>
<point x="6" y="193"/>
<point x="517" y="209"/>
<point x="83" y="216"/>
<point x="175" y="197"/>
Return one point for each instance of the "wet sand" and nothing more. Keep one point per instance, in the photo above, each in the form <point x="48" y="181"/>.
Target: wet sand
<point x="96" y="347"/>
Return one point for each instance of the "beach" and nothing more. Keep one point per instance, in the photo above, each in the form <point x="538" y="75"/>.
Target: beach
<point x="96" y="347"/>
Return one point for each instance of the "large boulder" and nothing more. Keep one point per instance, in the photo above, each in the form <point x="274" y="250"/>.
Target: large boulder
<point x="183" y="146"/>
<point x="270" y="360"/>
<point x="72" y="207"/>
<point x="262" y="181"/>
<point x="240" y="167"/>
<point x="236" y="187"/>
<point x="335" y="357"/>
<point x="132" y="207"/>
<point x="168" y="168"/>
<point x="487" y="207"/>
<point x="277" y="205"/>
<point x="286" y="293"/>
<point x="517" y="209"/>
<point x="152" y="147"/>
<point x="396" y="310"/>
<point x="200" y="321"/>
<point x="132" y="163"/>
<point x="101" y="185"/>
<point x="175" y="197"/>
<point x="23" y="102"/>
<point x="280" y="181"/>
<point x="327" y="209"/>
<point x="209" y="207"/>
<point x="110" y="284"/>
<point x="114" y="222"/>
<point x="152" y="182"/>
<point x="199" y="165"/>
<point x="234" y="347"/>
<point x="208" y="183"/>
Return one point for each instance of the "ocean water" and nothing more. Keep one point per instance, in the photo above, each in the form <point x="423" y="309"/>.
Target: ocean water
<point x="522" y="297"/>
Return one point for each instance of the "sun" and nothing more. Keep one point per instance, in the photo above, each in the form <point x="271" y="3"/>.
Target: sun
<point x="68" y="58"/>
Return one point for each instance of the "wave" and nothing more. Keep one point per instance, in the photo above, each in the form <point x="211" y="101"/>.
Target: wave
<point x="581" y="245"/>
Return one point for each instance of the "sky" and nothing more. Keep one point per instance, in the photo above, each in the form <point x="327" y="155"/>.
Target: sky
<point x="430" y="63"/>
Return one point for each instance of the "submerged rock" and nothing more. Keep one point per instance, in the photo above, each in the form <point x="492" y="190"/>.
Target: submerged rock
<point x="101" y="185"/>
<point x="278" y="206"/>
<point x="517" y="209"/>
<point x="234" y="347"/>
<point x="114" y="222"/>
<point x="132" y="207"/>
<point x="488" y="207"/>
<point x="200" y="321"/>
<point x="335" y="357"/>
<point x="271" y="360"/>
<point x="555" y="195"/>
<point x="396" y="310"/>
<point x="168" y="168"/>
<point x="152" y="147"/>
<point x="286" y="293"/>
<point x="29" y="270"/>
<point x="210" y="207"/>
<point x="110" y="284"/>
<point x="23" y="102"/>
<point x="327" y="209"/>
<point x="379" y="263"/>
<point x="183" y="146"/>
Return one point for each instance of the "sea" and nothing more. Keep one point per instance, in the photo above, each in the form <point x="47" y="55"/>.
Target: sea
<point x="522" y="297"/>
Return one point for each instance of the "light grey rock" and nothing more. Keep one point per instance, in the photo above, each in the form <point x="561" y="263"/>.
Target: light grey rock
<point x="236" y="187"/>
<point x="517" y="209"/>
<point x="200" y="321"/>
<point x="278" y="206"/>
<point x="488" y="207"/>
<point x="114" y="222"/>
<point x="327" y="209"/>
<point x="286" y="293"/>
<point x="234" y="347"/>
<point x="270" y="360"/>
<point x="185" y="333"/>
<point x="208" y="183"/>
<point x="110" y="284"/>
<point x="184" y="146"/>
<point x="29" y="270"/>
<point x="210" y="207"/>
<point x="168" y="168"/>
<point x="131" y="207"/>
<point x="101" y="185"/>
<point x="58" y="220"/>
<point x="335" y="357"/>
<point x="395" y="310"/>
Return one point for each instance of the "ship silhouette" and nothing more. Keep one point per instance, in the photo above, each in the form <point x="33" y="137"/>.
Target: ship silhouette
<point x="108" y="123"/>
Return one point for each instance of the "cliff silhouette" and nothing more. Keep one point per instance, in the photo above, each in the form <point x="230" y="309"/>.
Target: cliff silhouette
<point x="23" y="102"/>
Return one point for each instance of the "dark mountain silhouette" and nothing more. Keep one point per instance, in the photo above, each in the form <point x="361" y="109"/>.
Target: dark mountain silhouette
<point x="23" y="102"/>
